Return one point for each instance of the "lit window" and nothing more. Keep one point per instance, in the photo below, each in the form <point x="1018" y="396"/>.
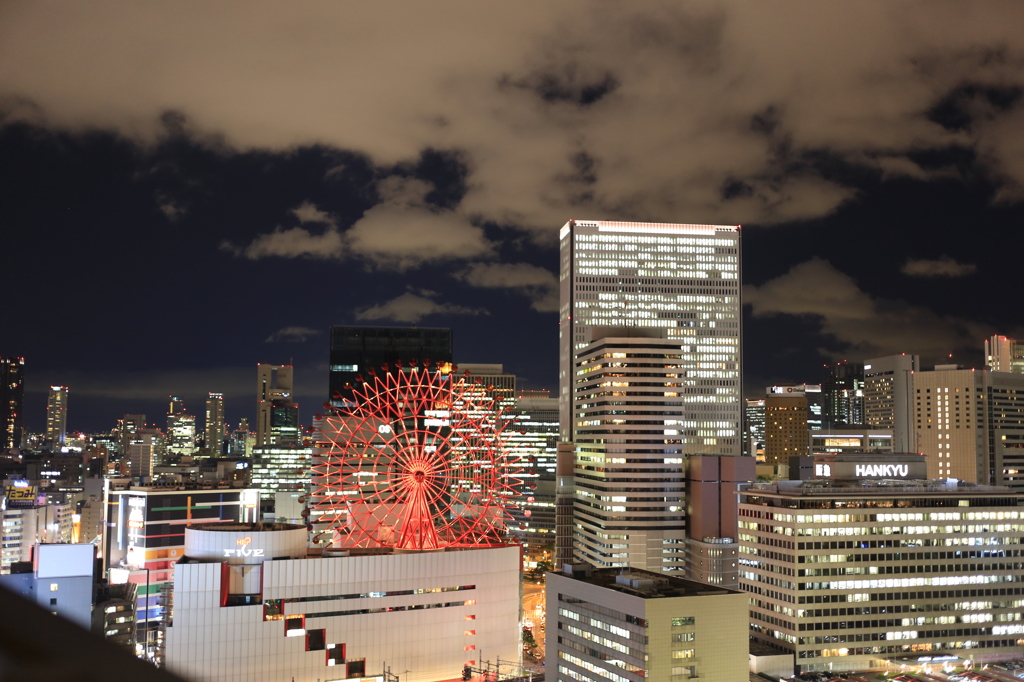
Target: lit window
<point x="53" y="587"/>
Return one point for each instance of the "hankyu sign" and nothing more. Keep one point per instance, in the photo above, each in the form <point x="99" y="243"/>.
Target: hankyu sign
<point x="882" y="470"/>
<point x="243" y="548"/>
<point x="846" y="468"/>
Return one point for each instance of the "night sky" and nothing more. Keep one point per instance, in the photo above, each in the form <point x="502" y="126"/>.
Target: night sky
<point x="187" y="189"/>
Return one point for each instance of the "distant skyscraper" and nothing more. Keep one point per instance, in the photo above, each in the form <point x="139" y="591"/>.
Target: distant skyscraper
<point x="12" y="394"/>
<point x="127" y="427"/>
<point x="354" y="349"/>
<point x="753" y="429"/>
<point x="888" y="396"/>
<point x="844" y="394"/>
<point x="181" y="429"/>
<point x="57" y="415"/>
<point x="1003" y="354"/>
<point x="786" y="433"/>
<point x="683" y="280"/>
<point x="215" y="423"/>
<point x="277" y="415"/>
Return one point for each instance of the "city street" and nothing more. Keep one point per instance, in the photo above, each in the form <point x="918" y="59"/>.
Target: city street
<point x="533" y="613"/>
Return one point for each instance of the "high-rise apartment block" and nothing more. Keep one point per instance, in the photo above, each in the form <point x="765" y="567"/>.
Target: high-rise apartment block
<point x="683" y="280"/>
<point x="871" y="564"/>
<point x="12" y="397"/>
<point x="1003" y="354"/>
<point x="277" y="415"/>
<point x="888" y="397"/>
<point x="57" y="415"/>
<point x="356" y="349"/>
<point x="214" y="437"/>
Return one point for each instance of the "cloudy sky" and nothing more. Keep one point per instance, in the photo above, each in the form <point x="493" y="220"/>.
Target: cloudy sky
<point x="187" y="189"/>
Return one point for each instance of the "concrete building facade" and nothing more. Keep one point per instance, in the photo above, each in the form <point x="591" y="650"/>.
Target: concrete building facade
<point x="870" y="565"/>
<point x="632" y="625"/>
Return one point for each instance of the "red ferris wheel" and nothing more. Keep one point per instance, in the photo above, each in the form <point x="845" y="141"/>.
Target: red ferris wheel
<point x="417" y="462"/>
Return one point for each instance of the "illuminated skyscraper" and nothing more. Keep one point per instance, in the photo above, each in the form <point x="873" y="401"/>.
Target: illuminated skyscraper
<point x="181" y="429"/>
<point x="683" y="280"/>
<point x="277" y="415"/>
<point x="1003" y="354"/>
<point x="57" y="415"/>
<point x="888" y="396"/>
<point x="215" y="423"/>
<point x="844" y="394"/>
<point x="12" y="393"/>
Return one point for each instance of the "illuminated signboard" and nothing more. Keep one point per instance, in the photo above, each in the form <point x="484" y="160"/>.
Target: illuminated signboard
<point x="243" y="549"/>
<point x="20" y="493"/>
<point x="137" y="515"/>
<point x="851" y="470"/>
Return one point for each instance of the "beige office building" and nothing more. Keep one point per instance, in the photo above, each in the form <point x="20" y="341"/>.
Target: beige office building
<point x="872" y="565"/>
<point x="632" y="625"/>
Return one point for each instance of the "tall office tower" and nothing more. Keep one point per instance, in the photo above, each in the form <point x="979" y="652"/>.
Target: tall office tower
<point x="534" y="436"/>
<point x="786" y="432"/>
<point x="127" y="427"/>
<point x="753" y="428"/>
<point x="277" y="415"/>
<point x="1003" y="354"/>
<point x="181" y="430"/>
<point x="888" y="396"/>
<point x="12" y="397"/>
<point x="146" y="449"/>
<point x="355" y="349"/>
<point x="882" y="564"/>
<point x="215" y="424"/>
<point x="242" y="440"/>
<point x="633" y="431"/>
<point x="844" y="394"/>
<point x="681" y="279"/>
<point x="57" y="415"/>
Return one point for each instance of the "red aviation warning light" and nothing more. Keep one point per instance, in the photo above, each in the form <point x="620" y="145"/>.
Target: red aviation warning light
<point x="416" y="462"/>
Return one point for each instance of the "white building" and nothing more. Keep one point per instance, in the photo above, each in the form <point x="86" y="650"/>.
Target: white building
<point x="634" y="427"/>
<point x="681" y="279"/>
<point x="635" y="625"/>
<point x="871" y="565"/>
<point x="1003" y="354"/>
<point x="61" y="580"/>
<point x="888" y="401"/>
<point x="250" y="605"/>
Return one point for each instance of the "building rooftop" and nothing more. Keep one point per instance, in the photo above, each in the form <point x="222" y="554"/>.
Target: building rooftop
<point x="876" y="486"/>
<point x="644" y="584"/>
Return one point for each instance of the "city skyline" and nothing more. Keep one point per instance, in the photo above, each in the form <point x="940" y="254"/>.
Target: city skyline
<point x="188" y="194"/>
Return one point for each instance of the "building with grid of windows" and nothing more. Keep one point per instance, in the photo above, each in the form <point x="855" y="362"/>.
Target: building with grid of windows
<point x="253" y="604"/>
<point x="681" y="279"/>
<point x="870" y="565"/>
<point x="630" y="625"/>
<point x="12" y="397"/>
